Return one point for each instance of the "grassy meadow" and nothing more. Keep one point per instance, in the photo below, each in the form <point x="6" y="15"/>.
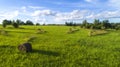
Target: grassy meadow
<point x="57" y="48"/>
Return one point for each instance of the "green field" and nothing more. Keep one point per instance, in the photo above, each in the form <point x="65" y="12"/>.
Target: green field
<point x="57" y="48"/>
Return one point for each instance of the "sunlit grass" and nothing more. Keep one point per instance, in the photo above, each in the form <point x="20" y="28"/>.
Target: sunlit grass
<point x="56" y="48"/>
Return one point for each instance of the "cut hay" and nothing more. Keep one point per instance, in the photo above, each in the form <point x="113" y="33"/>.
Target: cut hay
<point x="40" y="31"/>
<point x="3" y="32"/>
<point x="72" y="30"/>
<point x="97" y="32"/>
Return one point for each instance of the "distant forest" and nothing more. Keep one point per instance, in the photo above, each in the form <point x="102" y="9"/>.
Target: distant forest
<point x="97" y="24"/>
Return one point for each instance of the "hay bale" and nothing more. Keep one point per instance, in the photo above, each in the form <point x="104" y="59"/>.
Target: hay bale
<point x="25" y="47"/>
<point x="76" y="29"/>
<point x="3" y="32"/>
<point x="90" y="33"/>
<point x="41" y="31"/>
<point x="71" y="30"/>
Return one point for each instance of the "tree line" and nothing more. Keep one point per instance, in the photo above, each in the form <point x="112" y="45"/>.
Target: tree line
<point x="97" y="24"/>
<point x="17" y="22"/>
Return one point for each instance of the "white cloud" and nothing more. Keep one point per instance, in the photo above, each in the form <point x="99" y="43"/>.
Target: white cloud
<point x="9" y="15"/>
<point x="114" y="3"/>
<point x="40" y="20"/>
<point x="104" y="15"/>
<point x="109" y="14"/>
<point x="88" y="0"/>
<point x="74" y="15"/>
<point x="43" y="13"/>
<point x="24" y="9"/>
<point x="36" y="7"/>
<point x="92" y="1"/>
<point x="85" y="14"/>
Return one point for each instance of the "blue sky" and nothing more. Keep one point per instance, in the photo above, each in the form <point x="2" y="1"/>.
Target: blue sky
<point x="59" y="11"/>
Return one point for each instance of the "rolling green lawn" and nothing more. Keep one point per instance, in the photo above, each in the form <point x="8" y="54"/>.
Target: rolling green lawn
<point x="57" y="48"/>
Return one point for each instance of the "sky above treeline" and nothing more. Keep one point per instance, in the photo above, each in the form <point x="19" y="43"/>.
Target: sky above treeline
<point x="59" y="11"/>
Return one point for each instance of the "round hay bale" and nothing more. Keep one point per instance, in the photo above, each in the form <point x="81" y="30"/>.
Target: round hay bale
<point x="25" y="47"/>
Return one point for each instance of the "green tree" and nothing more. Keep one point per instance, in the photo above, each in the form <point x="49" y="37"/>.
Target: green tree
<point x="85" y="24"/>
<point x="18" y="21"/>
<point x="70" y="24"/>
<point x="37" y="24"/>
<point x="15" y="24"/>
<point x="96" y="24"/>
<point x="28" y="22"/>
<point x="106" y="24"/>
<point x="4" y="23"/>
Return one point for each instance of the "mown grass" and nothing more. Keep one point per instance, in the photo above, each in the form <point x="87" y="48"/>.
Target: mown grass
<point x="57" y="48"/>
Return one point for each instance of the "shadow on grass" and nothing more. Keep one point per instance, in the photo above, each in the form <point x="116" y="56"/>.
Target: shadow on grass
<point x="7" y="49"/>
<point x="19" y="32"/>
<point x="103" y="34"/>
<point x="7" y="46"/>
<point x="117" y="49"/>
<point x="50" y="53"/>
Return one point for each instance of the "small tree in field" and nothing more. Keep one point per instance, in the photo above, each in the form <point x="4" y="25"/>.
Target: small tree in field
<point x="37" y="24"/>
<point x="28" y="22"/>
<point x="15" y="25"/>
<point x="4" y="23"/>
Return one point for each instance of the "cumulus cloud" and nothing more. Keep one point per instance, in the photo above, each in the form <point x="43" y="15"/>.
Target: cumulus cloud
<point x="8" y="15"/>
<point x="109" y="14"/>
<point x="74" y="15"/>
<point x="104" y="15"/>
<point x="43" y="13"/>
<point x="85" y="14"/>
